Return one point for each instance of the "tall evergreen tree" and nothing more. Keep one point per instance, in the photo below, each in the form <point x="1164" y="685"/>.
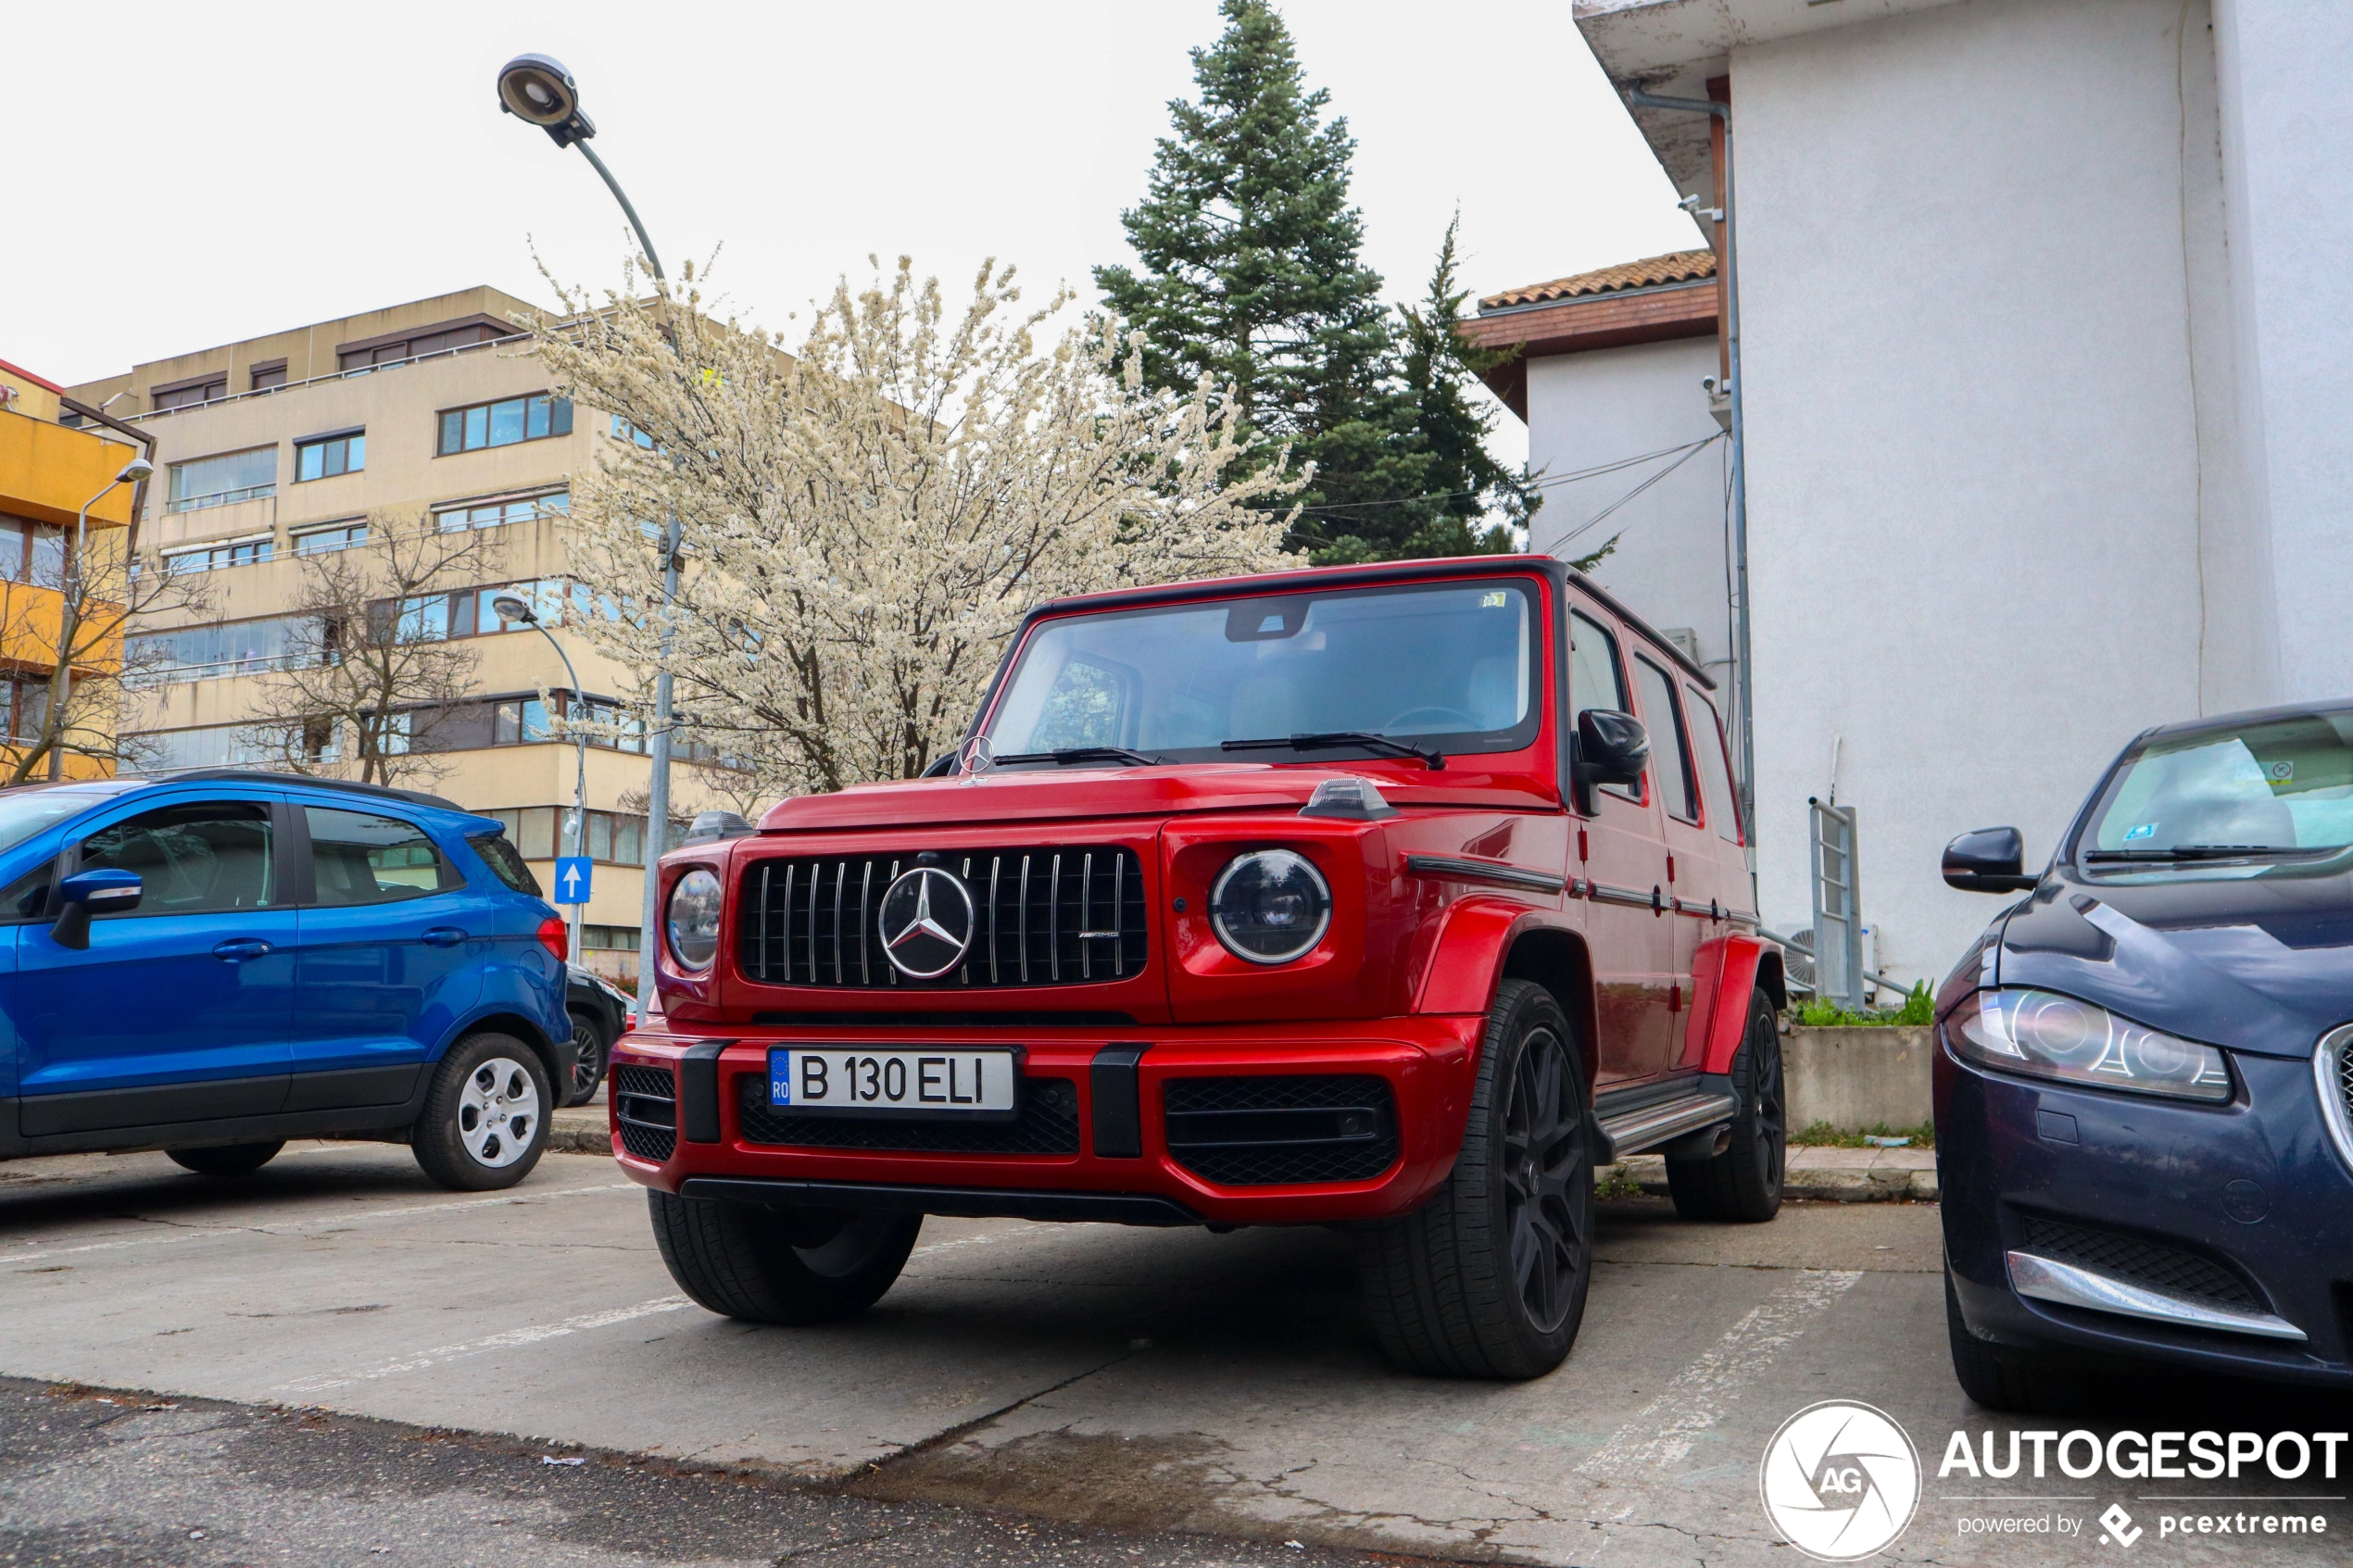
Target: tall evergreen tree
<point x="1251" y="275"/>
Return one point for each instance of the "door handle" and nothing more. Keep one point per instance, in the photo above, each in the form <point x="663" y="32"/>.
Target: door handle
<point x="238" y="948"/>
<point x="444" y="937"/>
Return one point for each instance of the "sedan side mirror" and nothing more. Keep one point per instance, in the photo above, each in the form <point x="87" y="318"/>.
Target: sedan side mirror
<point x="1989" y="861"/>
<point x="102" y="892"/>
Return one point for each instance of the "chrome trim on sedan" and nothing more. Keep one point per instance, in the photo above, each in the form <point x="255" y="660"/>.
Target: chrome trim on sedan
<point x="1452" y="870"/>
<point x="2071" y="1285"/>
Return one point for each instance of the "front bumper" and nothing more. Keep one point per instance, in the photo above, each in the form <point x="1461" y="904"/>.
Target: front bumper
<point x="2111" y="1226"/>
<point x="1426" y="1062"/>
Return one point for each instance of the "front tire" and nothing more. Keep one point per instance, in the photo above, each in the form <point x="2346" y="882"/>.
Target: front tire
<point x="1743" y="1183"/>
<point x="2004" y="1381"/>
<point x="485" y="1119"/>
<point x="589" y="1052"/>
<point x="226" y="1159"/>
<point x="794" y="1266"/>
<point x="1489" y="1278"/>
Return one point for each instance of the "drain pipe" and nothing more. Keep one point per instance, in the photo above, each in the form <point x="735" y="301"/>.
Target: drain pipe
<point x="1743" y="681"/>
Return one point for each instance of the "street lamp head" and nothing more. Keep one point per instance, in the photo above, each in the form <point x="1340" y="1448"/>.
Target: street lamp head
<point x="514" y="611"/>
<point x="134" y="470"/>
<point x="538" y="88"/>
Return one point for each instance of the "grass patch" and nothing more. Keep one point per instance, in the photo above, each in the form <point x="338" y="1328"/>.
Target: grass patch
<point x="1822" y="1135"/>
<point x="1616" y="1182"/>
<point x="1918" y="1008"/>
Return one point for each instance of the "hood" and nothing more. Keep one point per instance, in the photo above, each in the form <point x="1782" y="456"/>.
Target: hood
<point x="2260" y="962"/>
<point x="1042" y="794"/>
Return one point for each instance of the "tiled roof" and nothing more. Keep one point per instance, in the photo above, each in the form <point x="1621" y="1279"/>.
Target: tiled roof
<point x="1675" y="267"/>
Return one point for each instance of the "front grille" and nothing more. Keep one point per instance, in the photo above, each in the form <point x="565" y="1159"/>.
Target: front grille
<point x="1054" y="916"/>
<point x="2143" y="1263"/>
<point x="1046" y="1121"/>
<point x="1274" y="1131"/>
<point x="645" y="1101"/>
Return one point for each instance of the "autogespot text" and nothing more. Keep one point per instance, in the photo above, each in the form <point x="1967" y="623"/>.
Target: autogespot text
<point x="2154" y="1455"/>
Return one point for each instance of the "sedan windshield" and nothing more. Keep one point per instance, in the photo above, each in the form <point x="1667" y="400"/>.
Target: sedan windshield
<point x="2281" y="785"/>
<point x="1444" y="667"/>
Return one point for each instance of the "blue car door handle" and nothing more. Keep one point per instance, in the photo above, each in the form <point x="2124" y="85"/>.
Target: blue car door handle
<point x="240" y="947"/>
<point x="444" y="935"/>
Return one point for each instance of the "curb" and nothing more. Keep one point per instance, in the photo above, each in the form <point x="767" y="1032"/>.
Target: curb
<point x="1819" y="1186"/>
<point x="582" y="1131"/>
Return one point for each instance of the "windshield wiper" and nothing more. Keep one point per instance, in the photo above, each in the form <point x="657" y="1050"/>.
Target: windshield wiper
<point x="2202" y="852"/>
<point x="1067" y="755"/>
<point x="1325" y="740"/>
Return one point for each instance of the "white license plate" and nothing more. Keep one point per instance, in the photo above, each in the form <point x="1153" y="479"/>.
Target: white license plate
<point x="891" y="1083"/>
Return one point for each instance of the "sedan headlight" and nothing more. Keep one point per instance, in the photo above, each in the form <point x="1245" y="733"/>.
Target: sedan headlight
<point x="1270" y="906"/>
<point x="693" y="921"/>
<point x="2043" y="1034"/>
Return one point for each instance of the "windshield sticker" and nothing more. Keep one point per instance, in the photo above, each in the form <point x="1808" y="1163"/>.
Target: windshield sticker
<point x="2281" y="772"/>
<point x="2146" y="830"/>
<point x="1497" y="600"/>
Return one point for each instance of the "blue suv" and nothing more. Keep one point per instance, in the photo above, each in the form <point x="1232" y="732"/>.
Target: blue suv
<point x="213" y="962"/>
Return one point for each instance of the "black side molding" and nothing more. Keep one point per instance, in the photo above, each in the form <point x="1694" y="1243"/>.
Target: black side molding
<point x="969" y="1203"/>
<point x="699" y="1091"/>
<point x="1119" y="1122"/>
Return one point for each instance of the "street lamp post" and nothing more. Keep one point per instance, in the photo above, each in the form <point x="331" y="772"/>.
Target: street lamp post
<point x="516" y="611"/>
<point x="539" y="90"/>
<point x="69" y="612"/>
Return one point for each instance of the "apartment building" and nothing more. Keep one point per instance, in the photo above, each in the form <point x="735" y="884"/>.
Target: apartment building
<point x="275" y="453"/>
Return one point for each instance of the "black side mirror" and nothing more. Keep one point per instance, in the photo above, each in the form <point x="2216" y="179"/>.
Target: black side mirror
<point x="105" y="891"/>
<point x="1989" y="861"/>
<point x="1612" y="748"/>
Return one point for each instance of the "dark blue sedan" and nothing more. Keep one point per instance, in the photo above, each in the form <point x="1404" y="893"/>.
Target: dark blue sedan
<point x="2145" y="1094"/>
<point x="214" y="962"/>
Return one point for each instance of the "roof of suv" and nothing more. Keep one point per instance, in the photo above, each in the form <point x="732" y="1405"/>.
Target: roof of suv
<point x="262" y="775"/>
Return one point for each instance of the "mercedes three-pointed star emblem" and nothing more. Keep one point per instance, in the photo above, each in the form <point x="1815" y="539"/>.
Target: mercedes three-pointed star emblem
<point x="927" y="922"/>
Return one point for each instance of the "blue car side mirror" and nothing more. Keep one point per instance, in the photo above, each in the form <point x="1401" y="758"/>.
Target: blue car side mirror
<point x="102" y="892"/>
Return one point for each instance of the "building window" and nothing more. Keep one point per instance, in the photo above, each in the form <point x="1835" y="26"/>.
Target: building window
<point x="326" y="455"/>
<point x="31" y="552"/>
<point x="624" y="431"/>
<point x="608" y="938"/>
<point x="207" y="745"/>
<point x="218" y="481"/>
<point x="268" y="374"/>
<point x="326" y="541"/>
<point x="367" y="355"/>
<point x="212" y="558"/>
<point x="232" y="647"/>
<point x="469" y="612"/>
<point x="517" y="720"/>
<point x="189" y="394"/>
<point x="455" y="517"/>
<point x="504" y="423"/>
<point x="615" y="838"/>
<point x="27" y="700"/>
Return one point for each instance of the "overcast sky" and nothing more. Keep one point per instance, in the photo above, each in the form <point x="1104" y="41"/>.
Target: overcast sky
<point x="187" y="175"/>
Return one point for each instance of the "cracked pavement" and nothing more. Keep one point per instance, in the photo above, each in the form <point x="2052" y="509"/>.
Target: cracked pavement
<point x="1026" y="1393"/>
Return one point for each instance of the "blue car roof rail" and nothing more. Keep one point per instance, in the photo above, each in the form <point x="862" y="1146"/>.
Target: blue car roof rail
<point x="262" y="775"/>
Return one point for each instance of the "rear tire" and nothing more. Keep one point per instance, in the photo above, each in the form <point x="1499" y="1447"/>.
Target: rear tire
<point x="227" y="1158"/>
<point x="796" y="1266"/>
<point x="589" y="1051"/>
<point x="1489" y="1278"/>
<point x="1743" y="1183"/>
<point x="485" y="1119"/>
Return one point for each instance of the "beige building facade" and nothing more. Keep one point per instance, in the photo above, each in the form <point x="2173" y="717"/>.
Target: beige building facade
<point x="276" y="453"/>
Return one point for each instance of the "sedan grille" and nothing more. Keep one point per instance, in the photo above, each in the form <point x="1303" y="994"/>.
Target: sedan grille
<point x="2143" y="1262"/>
<point x="1064" y="916"/>
<point x="1046" y="1122"/>
<point x="645" y="1101"/>
<point x="1276" y="1131"/>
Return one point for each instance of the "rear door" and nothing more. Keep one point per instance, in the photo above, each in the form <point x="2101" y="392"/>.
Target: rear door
<point x="390" y="952"/>
<point x="180" y="1010"/>
<point x="1694" y="882"/>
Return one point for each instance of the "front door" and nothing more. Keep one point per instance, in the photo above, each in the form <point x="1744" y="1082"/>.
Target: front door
<point x="391" y="953"/>
<point x="178" y="1010"/>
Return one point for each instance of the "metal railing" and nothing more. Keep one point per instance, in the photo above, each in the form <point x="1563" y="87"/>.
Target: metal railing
<point x="1872" y="979"/>
<point x="332" y="375"/>
<point x="219" y="497"/>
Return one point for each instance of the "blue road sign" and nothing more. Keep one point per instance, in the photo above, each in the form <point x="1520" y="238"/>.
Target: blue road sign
<point x="576" y="874"/>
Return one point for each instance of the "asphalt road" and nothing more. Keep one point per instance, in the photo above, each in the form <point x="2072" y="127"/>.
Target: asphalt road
<point x="1026" y="1393"/>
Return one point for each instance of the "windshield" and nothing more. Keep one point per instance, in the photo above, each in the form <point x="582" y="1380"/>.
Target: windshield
<point x="24" y="812"/>
<point x="1449" y="666"/>
<point x="2282" y="784"/>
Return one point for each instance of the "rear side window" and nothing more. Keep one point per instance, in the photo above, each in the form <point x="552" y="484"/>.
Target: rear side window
<point x="1673" y="762"/>
<point x="194" y="859"/>
<point x="359" y="858"/>
<point x="505" y="863"/>
<point x="1715" y="777"/>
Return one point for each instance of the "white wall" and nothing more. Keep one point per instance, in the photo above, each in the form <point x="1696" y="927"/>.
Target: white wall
<point x="1587" y="409"/>
<point x="1968" y="241"/>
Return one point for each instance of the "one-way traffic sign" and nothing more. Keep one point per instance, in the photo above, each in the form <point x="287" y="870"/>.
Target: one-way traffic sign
<point x="576" y="874"/>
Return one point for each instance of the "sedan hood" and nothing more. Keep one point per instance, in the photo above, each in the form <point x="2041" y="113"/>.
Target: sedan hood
<point x="2260" y="962"/>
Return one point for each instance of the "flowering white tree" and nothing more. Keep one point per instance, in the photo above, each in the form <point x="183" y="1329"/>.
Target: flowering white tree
<point x="862" y="525"/>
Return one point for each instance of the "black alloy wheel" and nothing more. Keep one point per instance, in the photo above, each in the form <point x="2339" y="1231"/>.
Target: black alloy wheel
<point x="1743" y="1183"/>
<point x="589" y="1048"/>
<point x="1489" y="1278"/>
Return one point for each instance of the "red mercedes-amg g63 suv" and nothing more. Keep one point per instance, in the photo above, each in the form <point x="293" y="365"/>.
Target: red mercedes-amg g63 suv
<point x="1394" y="897"/>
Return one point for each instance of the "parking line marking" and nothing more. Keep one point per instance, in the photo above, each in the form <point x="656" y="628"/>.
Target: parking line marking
<point x="295" y="1228"/>
<point x="507" y="1340"/>
<point x="1663" y="1433"/>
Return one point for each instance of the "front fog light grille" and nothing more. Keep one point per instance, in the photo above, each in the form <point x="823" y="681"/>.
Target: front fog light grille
<point x="2143" y="1262"/>
<point x="645" y="1101"/>
<point x="1276" y="1131"/>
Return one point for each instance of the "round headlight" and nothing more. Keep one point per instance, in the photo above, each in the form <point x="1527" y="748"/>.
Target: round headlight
<point x="1269" y="906"/>
<point x="693" y="920"/>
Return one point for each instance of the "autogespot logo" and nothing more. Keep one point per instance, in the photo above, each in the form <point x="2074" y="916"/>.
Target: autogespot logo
<point x="1841" y="1480"/>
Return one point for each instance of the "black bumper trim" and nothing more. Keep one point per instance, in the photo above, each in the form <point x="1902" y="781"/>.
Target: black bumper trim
<point x="968" y="1203"/>
<point x="1119" y="1121"/>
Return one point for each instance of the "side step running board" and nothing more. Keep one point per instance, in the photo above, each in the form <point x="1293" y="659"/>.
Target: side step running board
<point x="1662" y="1122"/>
